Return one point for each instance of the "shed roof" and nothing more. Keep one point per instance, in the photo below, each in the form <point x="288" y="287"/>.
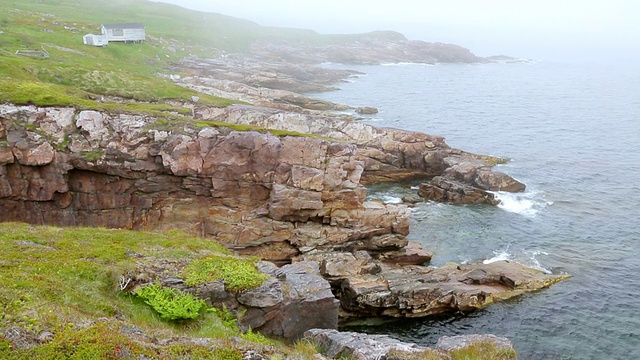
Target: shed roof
<point x="124" y="26"/>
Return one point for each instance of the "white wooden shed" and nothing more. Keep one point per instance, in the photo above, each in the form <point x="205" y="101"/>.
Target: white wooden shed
<point x="95" y="40"/>
<point x="130" y="32"/>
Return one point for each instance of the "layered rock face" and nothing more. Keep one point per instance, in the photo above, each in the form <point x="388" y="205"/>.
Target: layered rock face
<point x="271" y="196"/>
<point x="387" y="154"/>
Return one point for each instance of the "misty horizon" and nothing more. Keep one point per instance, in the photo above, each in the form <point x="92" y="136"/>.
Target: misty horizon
<point x="545" y="30"/>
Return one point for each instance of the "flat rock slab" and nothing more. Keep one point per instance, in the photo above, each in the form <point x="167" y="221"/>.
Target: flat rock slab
<point x="418" y="291"/>
<point x="336" y="344"/>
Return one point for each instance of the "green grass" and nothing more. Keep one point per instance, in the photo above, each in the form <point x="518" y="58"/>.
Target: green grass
<point x="483" y="350"/>
<point x="237" y="274"/>
<point x="63" y="280"/>
<point x="74" y="71"/>
<point x="176" y="124"/>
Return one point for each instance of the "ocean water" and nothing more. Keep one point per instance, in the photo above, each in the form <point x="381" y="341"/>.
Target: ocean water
<point x="572" y="132"/>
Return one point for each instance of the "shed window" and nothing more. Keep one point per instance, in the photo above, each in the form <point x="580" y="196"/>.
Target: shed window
<point x="118" y="32"/>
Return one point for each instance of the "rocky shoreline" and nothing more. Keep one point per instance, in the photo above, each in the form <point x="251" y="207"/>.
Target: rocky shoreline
<point x="293" y="196"/>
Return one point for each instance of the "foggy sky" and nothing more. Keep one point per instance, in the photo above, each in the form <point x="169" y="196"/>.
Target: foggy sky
<point x="540" y="29"/>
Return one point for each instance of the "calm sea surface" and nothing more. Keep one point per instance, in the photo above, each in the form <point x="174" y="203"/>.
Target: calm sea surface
<point x="573" y="134"/>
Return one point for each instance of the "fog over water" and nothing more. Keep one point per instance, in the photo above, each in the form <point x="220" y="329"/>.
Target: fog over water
<point x="544" y="30"/>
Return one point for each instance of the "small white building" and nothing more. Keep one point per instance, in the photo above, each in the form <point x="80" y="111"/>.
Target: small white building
<point x="130" y="32"/>
<point x="95" y="40"/>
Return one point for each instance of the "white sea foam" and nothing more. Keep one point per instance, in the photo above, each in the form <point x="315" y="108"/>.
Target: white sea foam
<point x="534" y="262"/>
<point x="391" y="199"/>
<point x="525" y="204"/>
<point x="526" y="258"/>
<point x="499" y="255"/>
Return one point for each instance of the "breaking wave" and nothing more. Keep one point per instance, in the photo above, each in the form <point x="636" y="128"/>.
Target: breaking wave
<point x="527" y="258"/>
<point x="525" y="204"/>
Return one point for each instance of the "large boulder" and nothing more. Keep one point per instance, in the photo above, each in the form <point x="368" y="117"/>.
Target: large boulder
<point x="293" y="301"/>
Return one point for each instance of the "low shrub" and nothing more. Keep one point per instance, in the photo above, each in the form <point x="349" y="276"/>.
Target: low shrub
<point x="171" y="304"/>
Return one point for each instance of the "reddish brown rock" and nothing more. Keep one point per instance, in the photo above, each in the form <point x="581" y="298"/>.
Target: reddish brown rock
<point x="254" y="192"/>
<point x="387" y="154"/>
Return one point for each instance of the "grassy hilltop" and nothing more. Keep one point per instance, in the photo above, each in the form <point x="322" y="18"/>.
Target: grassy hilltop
<point x="77" y="74"/>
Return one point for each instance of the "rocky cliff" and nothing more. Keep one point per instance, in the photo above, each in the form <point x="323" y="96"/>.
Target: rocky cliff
<point x="254" y="192"/>
<point x="282" y="198"/>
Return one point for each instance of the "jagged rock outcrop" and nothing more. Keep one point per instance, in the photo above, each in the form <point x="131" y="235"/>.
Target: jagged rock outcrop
<point x="388" y="154"/>
<point x="260" y="194"/>
<point x="479" y="174"/>
<point x="370" y="287"/>
<point x="294" y="299"/>
<point x="444" y="189"/>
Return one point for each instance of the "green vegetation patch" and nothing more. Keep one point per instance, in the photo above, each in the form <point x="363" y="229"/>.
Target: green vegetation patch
<point x="226" y="354"/>
<point x="483" y="350"/>
<point x="53" y="276"/>
<point x="37" y="93"/>
<point x="171" y="304"/>
<point x="92" y="155"/>
<point x="237" y="274"/>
